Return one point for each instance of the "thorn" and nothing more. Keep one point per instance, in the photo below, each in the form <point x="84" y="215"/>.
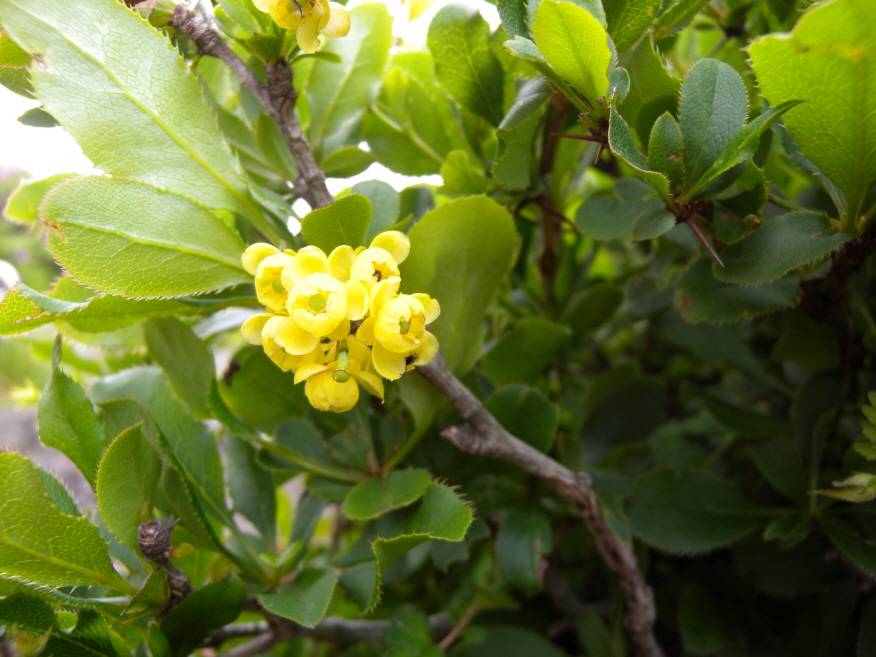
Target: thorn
<point x="692" y="224"/>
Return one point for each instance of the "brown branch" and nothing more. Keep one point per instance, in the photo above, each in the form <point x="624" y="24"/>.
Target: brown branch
<point x="277" y="96"/>
<point x="154" y="541"/>
<point x="483" y="435"/>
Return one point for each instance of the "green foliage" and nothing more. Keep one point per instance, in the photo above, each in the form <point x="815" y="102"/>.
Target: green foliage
<point x="307" y="598"/>
<point x="343" y="222"/>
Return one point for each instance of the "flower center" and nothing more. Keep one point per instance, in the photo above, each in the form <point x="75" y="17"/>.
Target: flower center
<point x="277" y="284"/>
<point x="404" y="325"/>
<point x="316" y="302"/>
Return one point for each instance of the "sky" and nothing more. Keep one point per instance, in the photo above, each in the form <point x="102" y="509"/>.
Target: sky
<point x="42" y="152"/>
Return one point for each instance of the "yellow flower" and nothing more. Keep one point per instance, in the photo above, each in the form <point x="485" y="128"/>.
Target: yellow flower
<point x="382" y="258"/>
<point x="254" y="331"/>
<point x="415" y="7"/>
<point x="308" y="18"/>
<point x="269" y="286"/>
<point x="334" y="386"/>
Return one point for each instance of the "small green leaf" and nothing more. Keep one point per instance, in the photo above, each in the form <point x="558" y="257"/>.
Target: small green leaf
<point x="215" y="605"/>
<point x="622" y="144"/>
<point x="162" y="245"/>
<point x="252" y="488"/>
<point x="185" y="359"/>
<point x="575" y="45"/>
<point x="689" y="512"/>
<point x="14" y="67"/>
<point x="19" y="314"/>
<point x="126" y="480"/>
<point x="702" y="297"/>
<point x="343" y="222"/>
<point x="68" y="422"/>
<point x="23" y="612"/>
<point x="23" y="204"/>
<point x="307" y="598"/>
<point x="666" y="148"/>
<point x="676" y="15"/>
<point x="653" y="90"/>
<point x="630" y="209"/>
<point x="92" y="636"/>
<point x="385" y="205"/>
<point x="524" y="538"/>
<point x="779" y="246"/>
<point x="514" y="164"/>
<point x="41" y="545"/>
<point x="526" y="413"/>
<point x="523" y="354"/>
<point x="409" y="634"/>
<point x="629" y="20"/>
<point x="514" y="16"/>
<point x="347" y="162"/>
<point x="464" y="62"/>
<point x="713" y="108"/>
<point x="857" y="549"/>
<point x="590" y="308"/>
<point x="374" y="497"/>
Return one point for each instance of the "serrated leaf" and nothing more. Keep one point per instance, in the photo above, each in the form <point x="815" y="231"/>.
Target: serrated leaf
<point x="779" y="246"/>
<point x="306" y="599"/>
<point x="666" y="148"/>
<point x="91" y="636"/>
<point x="826" y="62"/>
<point x="22" y="206"/>
<point x="524" y="538"/>
<point x="575" y="45"/>
<point x="67" y="421"/>
<point x="343" y="222"/>
<point x="622" y="144"/>
<point x="204" y="610"/>
<point x="185" y="359"/>
<point x="702" y="297"/>
<point x="860" y="551"/>
<point x="162" y="245"/>
<point x="14" y="65"/>
<point x="464" y="62"/>
<point x="374" y="497"/>
<point x="590" y="308"/>
<point x="41" y="545"/>
<point x="676" y="15"/>
<point x="686" y="512"/>
<point x="713" y="108"/>
<point x="338" y="94"/>
<point x="163" y="119"/>
<point x="23" y="612"/>
<point x="126" y="479"/>
<point x="19" y="314"/>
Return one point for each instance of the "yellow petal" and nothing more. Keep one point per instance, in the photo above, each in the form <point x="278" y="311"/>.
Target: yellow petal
<point x="417" y="8"/>
<point x="427" y="350"/>
<point x="284" y="13"/>
<point x="373" y="265"/>
<point x="308" y="35"/>
<point x="270" y="290"/>
<point x="395" y="242"/>
<point x="382" y="292"/>
<point x="431" y="307"/>
<point x="340" y="261"/>
<point x="365" y="333"/>
<point x="341" y="332"/>
<point x="254" y="254"/>
<point x="372" y="383"/>
<point x="326" y="394"/>
<point x="388" y="364"/>
<point x="309" y="260"/>
<point x="308" y="370"/>
<point x="360" y="354"/>
<point x="338" y="24"/>
<point x="291" y="337"/>
<point x="252" y="328"/>
<point x="357" y="300"/>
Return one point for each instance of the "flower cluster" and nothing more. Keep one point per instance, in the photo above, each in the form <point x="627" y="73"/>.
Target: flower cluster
<point x="338" y="321"/>
<point x="309" y="19"/>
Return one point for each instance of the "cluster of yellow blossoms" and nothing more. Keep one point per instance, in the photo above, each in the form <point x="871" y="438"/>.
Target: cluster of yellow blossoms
<point x="339" y="321"/>
<point x="309" y="19"/>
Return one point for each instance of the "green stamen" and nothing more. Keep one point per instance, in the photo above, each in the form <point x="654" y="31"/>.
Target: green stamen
<point x="277" y="284"/>
<point x="316" y="302"/>
<point x="404" y="325"/>
<point x="340" y="374"/>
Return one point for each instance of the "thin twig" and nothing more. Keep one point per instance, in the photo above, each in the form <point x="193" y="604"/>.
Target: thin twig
<point x="257" y="646"/>
<point x="483" y="435"/>
<point x="457" y="630"/>
<point x="277" y="96"/>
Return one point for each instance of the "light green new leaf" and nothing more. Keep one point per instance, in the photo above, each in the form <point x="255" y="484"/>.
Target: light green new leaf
<point x="307" y="598"/>
<point x="689" y="512"/>
<point x="67" y="421"/>
<point x="781" y="244"/>
<point x="343" y="222"/>
<point x="374" y="497"/>
<point x="132" y="239"/>
<point x="125" y="482"/>
<point x="338" y="94"/>
<point x="19" y="313"/>
<point x="828" y="62"/>
<point x="524" y="538"/>
<point x="14" y="65"/>
<point x="460" y="252"/>
<point x="703" y="298"/>
<point x="713" y="108"/>
<point x="41" y="545"/>
<point x="22" y="205"/>
<point x="185" y="359"/>
<point x="622" y="144"/>
<point x="102" y="87"/>
<point x="464" y="62"/>
<point x="575" y="45"/>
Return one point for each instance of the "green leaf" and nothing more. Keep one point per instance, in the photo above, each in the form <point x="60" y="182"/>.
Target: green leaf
<point x="523" y="354"/>
<point x="68" y="422"/>
<point x="514" y="16"/>
<point x="126" y="480"/>
<point x="590" y="308"/>
<point x="666" y="148"/>
<point x="385" y="205"/>
<point x="164" y="119"/>
<point x="857" y="549"/>
<point x="622" y="144"/>
<point x="19" y="314"/>
<point x="705" y="622"/>
<point x="462" y="176"/>
<point x="628" y="20"/>
<point x="243" y="13"/>
<point x="14" y="65"/>
<point x="779" y="246"/>
<point x="210" y="607"/>
<point x="252" y="488"/>
<point x="702" y="297"/>
<point x="343" y="222"/>
<point x="526" y="413"/>
<point x="409" y="635"/>
<point x="307" y="598"/>
<point x="22" y="205"/>
<point x="346" y="162"/>
<point x="653" y="90"/>
<point x="162" y="245"/>
<point x="630" y="209"/>
<point x="686" y="512"/>
<point x="92" y="637"/>
<point x="185" y="359"/>
<point x="575" y="45"/>
<point x="524" y="538"/>
<point x="23" y="612"/>
<point x="460" y="253"/>
<point x="713" y="108"/>
<point x="464" y="62"/>
<point x="338" y="94"/>
<point x="508" y="642"/>
<point x="826" y="63"/>
<point x="413" y="124"/>
<point x="374" y="497"/>
<point x="41" y="545"/>
<point x="517" y="132"/>
<point x="676" y="15"/>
